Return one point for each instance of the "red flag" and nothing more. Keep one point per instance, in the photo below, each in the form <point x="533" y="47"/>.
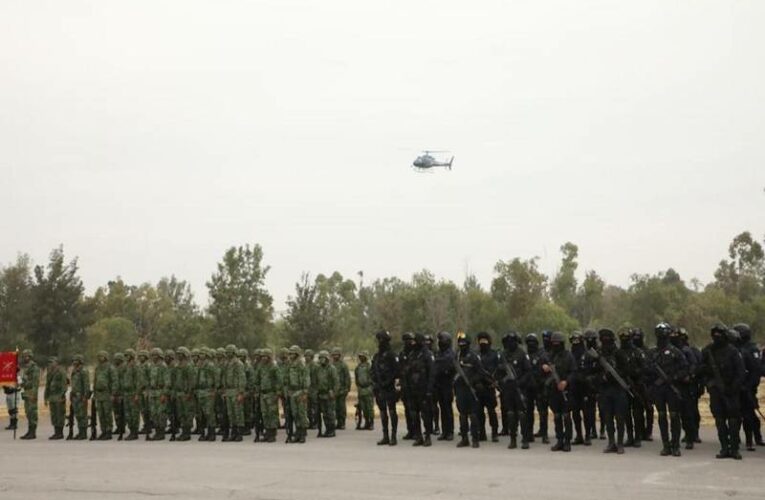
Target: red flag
<point x="9" y="362"/>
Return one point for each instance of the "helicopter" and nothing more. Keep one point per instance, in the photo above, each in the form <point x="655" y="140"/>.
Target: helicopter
<point x="427" y="161"/>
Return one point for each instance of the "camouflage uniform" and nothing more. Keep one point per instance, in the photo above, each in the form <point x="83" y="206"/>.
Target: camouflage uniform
<point x="363" y="377"/>
<point x="206" y="385"/>
<point x="234" y="382"/>
<point x="327" y="386"/>
<point x="183" y="387"/>
<point x="269" y="386"/>
<point x="297" y="383"/>
<point x="170" y="403"/>
<point x="197" y="409"/>
<point x="344" y="380"/>
<point x="249" y="375"/>
<point x="257" y="415"/>
<point x="281" y="365"/>
<point x="55" y="397"/>
<point x="220" y="403"/>
<point x="158" y="387"/>
<point x="313" y="400"/>
<point x="30" y="382"/>
<point x="131" y="396"/>
<point x="142" y="387"/>
<point x="79" y="395"/>
<point x="104" y="388"/>
<point x="120" y="368"/>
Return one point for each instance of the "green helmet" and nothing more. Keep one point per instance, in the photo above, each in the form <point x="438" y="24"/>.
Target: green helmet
<point x="53" y="359"/>
<point x="220" y="352"/>
<point x="257" y="352"/>
<point x="308" y="353"/>
<point x="336" y="351"/>
<point x="118" y="356"/>
<point x="102" y="354"/>
<point x="156" y="352"/>
<point x="283" y="351"/>
<point x="27" y="352"/>
<point x="183" y="351"/>
<point x="295" y="350"/>
<point x="130" y="353"/>
<point x="78" y="358"/>
<point x="170" y="354"/>
<point x="323" y="354"/>
<point x="267" y="352"/>
<point x="364" y="354"/>
<point x="195" y="352"/>
<point x="143" y="353"/>
<point x="230" y="349"/>
<point x="242" y="353"/>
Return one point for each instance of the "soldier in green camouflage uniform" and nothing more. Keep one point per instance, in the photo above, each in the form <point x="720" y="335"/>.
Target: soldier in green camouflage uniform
<point x="269" y="386"/>
<point x="142" y="386"/>
<point x="327" y="387"/>
<point x="234" y="383"/>
<point x="55" y="396"/>
<point x="200" y="425"/>
<point x="257" y="415"/>
<point x="281" y="363"/>
<point x="183" y="389"/>
<point x="206" y="385"/>
<point x="344" y="379"/>
<point x="120" y="369"/>
<point x="313" y="401"/>
<point x="170" y="406"/>
<point x="249" y="373"/>
<point x="158" y="387"/>
<point x="363" y="377"/>
<point x="220" y="403"/>
<point x="131" y="396"/>
<point x="79" y="395"/>
<point x="30" y="382"/>
<point x="297" y="383"/>
<point x="104" y="388"/>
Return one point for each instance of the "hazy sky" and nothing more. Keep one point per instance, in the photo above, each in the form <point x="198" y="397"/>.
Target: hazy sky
<point x="149" y="136"/>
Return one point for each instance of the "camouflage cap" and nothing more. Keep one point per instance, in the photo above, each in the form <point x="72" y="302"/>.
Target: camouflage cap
<point x="130" y="353"/>
<point x="118" y="356"/>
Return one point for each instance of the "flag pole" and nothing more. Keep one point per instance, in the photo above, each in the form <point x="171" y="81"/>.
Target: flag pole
<point x="16" y="395"/>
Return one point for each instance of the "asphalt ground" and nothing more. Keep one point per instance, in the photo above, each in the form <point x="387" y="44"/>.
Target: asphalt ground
<point x="351" y="466"/>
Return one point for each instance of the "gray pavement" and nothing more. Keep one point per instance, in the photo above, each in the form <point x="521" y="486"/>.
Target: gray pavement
<point x="352" y="467"/>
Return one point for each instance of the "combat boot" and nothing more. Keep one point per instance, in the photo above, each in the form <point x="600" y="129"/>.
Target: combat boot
<point x="31" y="433"/>
<point x="237" y="435"/>
<point x="494" y="436"/>
<point x="108" y="436"/>
<point x="524" y="444"/>
<point x="81" y="434"/>
<point x="132" y="436"/>
<point x="513" y="443"/>
<point x="226" y="435"/>
<point x="666" y="450"/>
<point x="393" y="441"/>
<point x="58" y="434"/>
<point x="417" y="440"/>
<point x="185" y="435"/>
<point x="558" y="446"/>
<point x="475" y="443"/>
<point x="385" y="440"/>
<point x="271" y="436"/>
<point x="246" y="431"/>
<point x="427" y="442"/>
<point x="159" y="435"/>
<point x="463" y="442"/>
<point x="13" y="425"/>
<point x="566" y="445"/>
<point x="202" y="435"/>
<point x="211" y="436"/>
<point x="301" y="436"/>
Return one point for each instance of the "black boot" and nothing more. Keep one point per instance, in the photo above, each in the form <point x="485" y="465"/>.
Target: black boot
<point x="226" y="435"/>
<point x="236" y="434"/>
<point x="426" y="442"/>
<point x="82" y="434"/>
<point x="513" y="443"/>
<point x="463" y="442"/>
<point x="385" y="439"/>
<point x="31" y="433"/>
<point x="211" y="436"/>
<point x="58" y="434"/>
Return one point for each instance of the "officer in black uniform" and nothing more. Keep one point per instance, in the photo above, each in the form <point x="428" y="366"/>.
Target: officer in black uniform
<point x="419" y="381"/>
<point x="469" y="377"/>
<point x="635" y="418"/>
<point x="384" y="372"/>
<point x="698" y="384"/>
<point x="443" y="387"/>
<point x="407" y="340"/>
<point x="434" y="413"/>
<point x="591" y="398"/>
<point x="612" y="397"/>
<point x="487" y="395"/>
<point x="579" y="387"/>
<point x="638" y="340"/>
<point x="513" y="375"/>
<point x="753" y="365"/>
<point x="724" y="372"/>
<point x="535" y="392"/>
<point x="560" y="363"/>
<point x="666" y="366"/>
<point x="687" y="388"/>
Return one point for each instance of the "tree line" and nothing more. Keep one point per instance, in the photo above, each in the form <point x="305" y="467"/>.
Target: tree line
<point x="45" y="307"/>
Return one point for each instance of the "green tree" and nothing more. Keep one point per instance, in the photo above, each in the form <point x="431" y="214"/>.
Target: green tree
<point x="563" y="286"/>
<point x="240" y="305"/>
<point x="110" y="335"/>
<point x="16" y="302"/>
<point x="59" y="320"/>
<point x="518" y="286"/>
<point x="589" y="299"/>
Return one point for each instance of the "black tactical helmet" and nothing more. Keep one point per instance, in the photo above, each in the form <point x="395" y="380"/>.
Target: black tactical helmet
<point x="406" y="337"/>
<point x="463" y="339"/>
<point x="531" y="338"/>
<point x="547" y="335"/>
<point x="744" y="331"/>
<point x="733" y="336"/>
<point x="483" y="336"/>
<point x="557" y="337"/>
<point x="444" y="337"/>
<point x="590" y="334"/>
<point x="637" y="333"/>
<point x="510" y="336"/>
<point x="428" y="338"/>
<point x="419" y="338"/>
<point x="576" y="337"/>
<point x="718" y="328"/>
<point x="663" y="329"/>
<point x="383" y="336"/>
<point x="606" y="334"/>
